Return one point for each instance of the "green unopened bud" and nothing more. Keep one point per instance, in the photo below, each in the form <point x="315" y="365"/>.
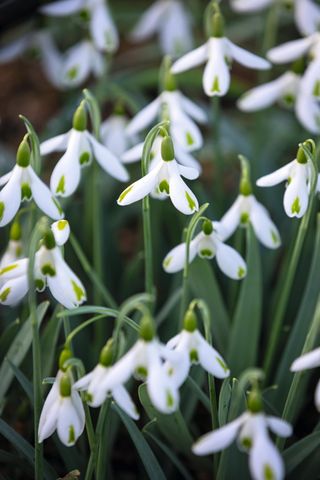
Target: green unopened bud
<point x="245" y="187"/>
<point x="49" y="240"/>
<point x="80" y="118"/>
<point x="217" y="27"/>
<point x="23" y="154"/>
<point x="106" y="354"/>
<point x="64" y="356"/>
<point x="255" y="404"/>
<point x="207" y="227"/>
<point x="15" y="231"/>
<point x="167" y="150"/>
<point x="147" y="331"/>
<point x="65" y="385"/>
<point x="190" y="322"/>
<point x="301" y="155"/>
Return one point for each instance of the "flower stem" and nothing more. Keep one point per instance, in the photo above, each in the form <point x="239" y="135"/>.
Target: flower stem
<point x="147" y="238"/>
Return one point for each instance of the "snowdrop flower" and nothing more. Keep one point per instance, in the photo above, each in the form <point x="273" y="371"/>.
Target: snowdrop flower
<point x="80" y="146"/>
<point x="62" y="411"/>
<point x="145" y="360"/>
<point x="102" y="27"/>
<point x="308" y="105"/>
<point x="79" y="62"/>
<point x="194" y="349"/>
<point x="92" y="383"/>
<point x="114" y="136"/>
<point x="246" y="209"/>
<point x="306" y="361"/>
<point x="298" y="173"/>
<point x="208" y="244"/>
<point x="290" y="51"/>
<point x="171" y="21"/>
<point x="218" y="52"/>
<point x="22" y="183"/>
<point x="50" y="270"/>
<point x="166" y="177"/>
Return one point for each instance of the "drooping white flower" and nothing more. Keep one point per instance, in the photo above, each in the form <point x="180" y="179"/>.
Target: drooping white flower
<point x="246" y="209"/>
<point x="114" y="136"/>
<point x="290" y="51"/>
<point x="298" y="173"/>
<point x="62" y="411"/>
<point x="22" y="183"/>
<point x="208" y="244"/>
<point x="171" y="21"/>
<point x="181" y="113"/>
<point x="50" y="270"/>
<point x="166" y="178"/>
<point x="101" y="24"/>
<point x="145" y="360"/>
<point x="218" y="53"/>
<point x="92" y="383"/>
<point x="251" y="430"/>
<point x="306" y="361"/>
<point x="80" y="146"/>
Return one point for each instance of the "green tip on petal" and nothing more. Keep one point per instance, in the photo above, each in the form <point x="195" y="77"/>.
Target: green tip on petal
<point x="124" y="193"/>
<point x="23" y="154"/>
<point x="4" y="294"/>
<point x="164" y="187"/>
<point x="241" y="272"/>
<point x="8" y="268"/>
<point x="79" y="292"/>
<point x="296" y="207"/>
<point x="167" y="261"/>
<point x="61" y="185"/>
<point x="215" y="86"/>
<point x="191" y="202"/>
<point x="72" y="435"/>
<point x="222" y="364"/>
<point x="189" y="138"/>
<point x="170" y="399"/>
<point x="2" y="208"/>
<point x="62" y="224"/>
<point x="268" y="473"/>
<point x="26" y="193"/>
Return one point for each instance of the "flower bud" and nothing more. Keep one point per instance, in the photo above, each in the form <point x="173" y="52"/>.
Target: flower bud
<point x="64" y="356"/>
<point x="167" y="150"/>
<point x="245" y="187"/>
<point x="207" y="227"/>
<point x="147" y="331"/>
<point x="106" y="354"/>
<point x="80" y="118"/>
<point x="190" y="321"/>
<point x="49" y="240"/>
<point x="301" y="156"/>
<point x="23" y="154"/>
<point x="255" y="404"/>
<point x="217" y="27"/>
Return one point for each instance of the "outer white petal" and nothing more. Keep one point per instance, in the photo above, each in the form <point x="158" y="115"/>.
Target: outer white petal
<point x="264" y="457"/>
<point x="12" y="253"/>
<point x="62" y="8"/>
<point x="185" y="132"/>
<point x="175" y="259"/>
<point x="92" y="384"/>
<point x="123" y="399"/>
<point x="230" y="261"/>
<point x="133" y="154"/>
<point x="276" y="177"/>
<point x="307" y="360"/>
<point x="296" y="196"/>
<point x="10" y="196"/>
<point x="150" y="21"/>
<point x="108" y="161"/>
<point x="77" y="64"/>
<point x="290" y="51"/>
<point x="209" y="358"/>
<point x="51" y="58"/>
<point x="69" y="424"/>
<point x="193" y="110"/>
<point x="49" y="413"/>
<point x="54" y="144"/>
<point x="144" y="118"/>
<point x="43" y="196"/>
<point x="263" y="226"/>
<point x="122" y="370"/>
<point x="13" y="290"/>
<point x="14" y="270"/>
<point x="188" y="172"/>
<point x="175" y="30"/>
<point x="185" y="158"/>
<point x="139" y="189"/>
<point x="83" y="383"/>
<point x="243" y="6"/>
<point x="308" y="112"/>
<point x="307" y="16"/>
<point x="5" y="178"/>
<point x="190" y="60"/>
<point x="246" y="58"/>
<point x="113" y="134"/>
<point x="14" y="49"/>
<point x="103" y="29"/>
<point x="279" y="427"/>
<point x="216" y="75"/>
<point x="218" y="439"/>
<point x="317" y="396"/>
<point x="231" y="219"/>
<point x="61" y="231"/>
<point x="181" y="195"/>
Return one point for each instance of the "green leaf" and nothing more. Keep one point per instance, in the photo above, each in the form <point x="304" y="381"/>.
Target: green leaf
<point x="22" y="379"/>
<point x="147" y="456"/>
<point x="246" y="325"/>
<point x="49" y="341"/>
<point x="17" y="351"/>
<point x="297" y="453"/>
<point x="7" y="337"/>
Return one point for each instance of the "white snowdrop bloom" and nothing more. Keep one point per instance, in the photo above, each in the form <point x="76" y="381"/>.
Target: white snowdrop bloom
<point x="218" y="53"/>
<point x="80" y="146"/>
<point x="92" y="384"/>
<point x="181" y="113"/>
<point x="50" y="270"/>
<point x="306" y="361"/>
<point x="308" y="102"/>
<point x="22" y="183"/>
<point x="101" y="24"/>
<point x="62" y="412"/>
<point x="251" y="431"/>
<point x="298" y="174"/>
<point x="290" y="51"/>
<point x="114" y="136"/>
<point x="80" y="61"/>
<point x="170" y="20"/>
<point x="165" y="177"/>
<point x="146" y="361"/>
<point x="194" y="349"/>
<point x="208" y="244"/>
<point x="246" y="209"/>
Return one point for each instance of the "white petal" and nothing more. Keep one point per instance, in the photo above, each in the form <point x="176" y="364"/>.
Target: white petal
<point x="5" y="178"/>
<point x="77" y="65"/>
<point x="307" y="360"/>
<point x="54" y="144"/>
<point x="122" y="370"/>
<point x="307" y="111"/>
<point x="10" y="196"/>
<point x="113" y="134"/>
<point x="43" y="197"/>
<point x="83" y="383"/>
<point x="307" y="16"/>
<point x="175" y="30"/>
<point x="61" y="231"/>
<point x="296" y="196"/>
<point x="185" y="158"/>
<point x="188" y="172"/>
<point x="206" y="246"/>
<point x="190" y="60"/>
<point x="14" y="49"/>
<point x="216" y="75"/>
<point x="62" y="8"/>
<point x="48" y="417"/>
<point x="14" y="270"/>
<point x="248" y="59"/>
<point x="230" y="261"/>
<point x="192" y="109"/>
<point x="103" y="29"/>
<point x="181" y="195"/>
<point x="209" y="358"/>
<point x="276" y="177"/>
<point x="144" y="118"/>
<point x="139" y="189"/>
<point x="218" y="439"/>
<point x="123" y="399"/>
<point x="108" y="161"/>
<point x="70" y="424"/>
<point x="231" y="219"/>
<point x="133" y="154"/>
<point x="264" y="460"/>
<point x="149" y="22"/>
<point x="263" y="226"/>
<point x="289" y="51"/>
<point x="279" y="427"/>
<point x="175" y="259"/>
<point x="13" y="290"/>
<point x="51" y="58"/>
<point x="249" y="5"/>
<point x="185" y="132"/>
<point x="317" y="396"/>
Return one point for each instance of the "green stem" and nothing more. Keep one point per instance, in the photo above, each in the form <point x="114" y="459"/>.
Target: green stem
<point x="147" y="239"/>
<point x="217" y="157"/>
